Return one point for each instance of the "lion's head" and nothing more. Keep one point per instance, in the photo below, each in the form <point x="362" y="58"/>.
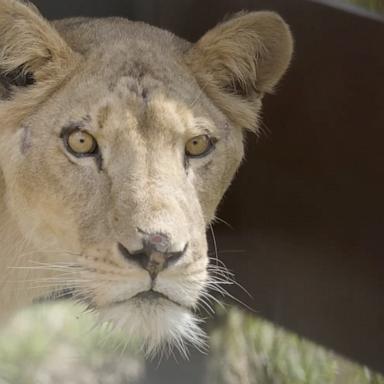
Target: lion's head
<point x="118" y="141"/>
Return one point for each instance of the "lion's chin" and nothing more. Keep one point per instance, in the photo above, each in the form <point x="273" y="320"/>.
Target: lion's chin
<point x="156" y="325"/>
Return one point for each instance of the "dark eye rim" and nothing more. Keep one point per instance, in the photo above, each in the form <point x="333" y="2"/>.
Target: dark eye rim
<point x="212" y="145"/>
<point x="67" y="131"/>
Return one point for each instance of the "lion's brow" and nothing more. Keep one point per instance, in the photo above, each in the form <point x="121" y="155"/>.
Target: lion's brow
<point x="75" y="124"/>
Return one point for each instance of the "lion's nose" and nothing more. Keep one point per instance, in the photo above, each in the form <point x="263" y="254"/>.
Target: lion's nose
<point x="156" y="254"/>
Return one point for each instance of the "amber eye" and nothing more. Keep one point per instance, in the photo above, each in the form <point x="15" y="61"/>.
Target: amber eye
<point x="81" y="143"/>
<point x="199" y="146"/>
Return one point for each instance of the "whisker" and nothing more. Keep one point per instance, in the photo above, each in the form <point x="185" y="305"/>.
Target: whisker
<point x="218" y="289"/>
<point x="213" y="298"/>
<point x="229" y="251"/>
<point x="239" y="301"/>
<point x="214" y="243"/>
<point x="216" y="218"/>
<point x="52" y="267"/>
<point x="206" y="306"/>
<point x="52" y="286"/>
<point x="220" y="271"/>
<point x="48" y="251"/>
<point x="229" y="277"/>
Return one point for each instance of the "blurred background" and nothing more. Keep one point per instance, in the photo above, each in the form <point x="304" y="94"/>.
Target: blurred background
<point x="306" y="217"/>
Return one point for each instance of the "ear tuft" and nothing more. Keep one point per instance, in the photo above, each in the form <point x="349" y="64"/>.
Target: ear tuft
<point x="241" y="59"/>
<point x="30" y="47"/>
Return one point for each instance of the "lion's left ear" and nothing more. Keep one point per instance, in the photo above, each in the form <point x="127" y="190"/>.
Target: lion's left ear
<point x="31" y="50"/>
<point x="241" y="59"/>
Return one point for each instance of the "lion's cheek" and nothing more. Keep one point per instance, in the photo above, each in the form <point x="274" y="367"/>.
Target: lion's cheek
<point x="42" y="217"/>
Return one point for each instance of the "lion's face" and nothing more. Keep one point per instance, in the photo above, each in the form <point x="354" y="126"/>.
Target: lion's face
<point x="131" y="212"/>
<point x="115" y="173"/>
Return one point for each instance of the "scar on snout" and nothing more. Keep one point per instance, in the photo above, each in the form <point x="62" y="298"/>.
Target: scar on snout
<point x="25" y="140"/>
<point x="139" y="90"/>
<point x="103" y="115"/>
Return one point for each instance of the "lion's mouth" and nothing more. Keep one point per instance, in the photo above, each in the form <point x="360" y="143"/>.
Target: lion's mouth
<point x="150" y="296"/>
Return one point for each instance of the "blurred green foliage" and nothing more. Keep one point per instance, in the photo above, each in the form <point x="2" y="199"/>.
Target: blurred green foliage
<point x="59" y="344"/>
<point x="372" y="5"/>
<point x="245" y="350"/>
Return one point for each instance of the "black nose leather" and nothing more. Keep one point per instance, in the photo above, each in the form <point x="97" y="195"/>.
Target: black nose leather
<point x="155" y="255"/>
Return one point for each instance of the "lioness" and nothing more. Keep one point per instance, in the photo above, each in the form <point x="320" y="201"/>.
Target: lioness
<point x="118" y="141"/>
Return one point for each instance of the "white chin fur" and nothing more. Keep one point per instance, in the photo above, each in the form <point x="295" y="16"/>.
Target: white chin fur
<point x="156" y="326"/>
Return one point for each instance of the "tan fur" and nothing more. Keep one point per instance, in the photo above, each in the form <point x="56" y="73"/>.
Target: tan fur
<point x="143" y="94"/>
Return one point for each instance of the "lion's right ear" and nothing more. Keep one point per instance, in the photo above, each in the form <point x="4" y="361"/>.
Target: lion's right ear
<point x="31" y="50"/>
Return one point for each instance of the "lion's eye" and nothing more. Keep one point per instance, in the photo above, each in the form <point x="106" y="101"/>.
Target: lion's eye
<point x="81" y="143"/>
<point x="199" y="146"/>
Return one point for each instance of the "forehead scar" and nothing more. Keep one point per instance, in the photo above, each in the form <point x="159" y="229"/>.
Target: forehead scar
<point x="25" y="140"/>
<point x="144" y="94"/>
<point x="103" y="115"/>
